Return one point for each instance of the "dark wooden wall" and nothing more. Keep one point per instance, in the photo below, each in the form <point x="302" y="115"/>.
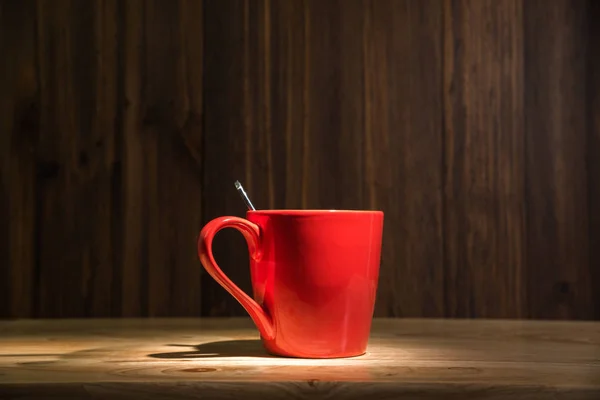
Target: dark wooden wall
<point x="474" y="124"/>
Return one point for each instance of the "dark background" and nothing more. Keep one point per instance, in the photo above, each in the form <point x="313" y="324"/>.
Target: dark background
<point x="474" y="125"/>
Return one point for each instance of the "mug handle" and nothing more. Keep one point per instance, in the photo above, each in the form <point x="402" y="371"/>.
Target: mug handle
<point x="251" y="233"/>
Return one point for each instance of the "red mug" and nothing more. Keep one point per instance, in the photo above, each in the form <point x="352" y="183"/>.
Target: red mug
<point x="314" y="277"/>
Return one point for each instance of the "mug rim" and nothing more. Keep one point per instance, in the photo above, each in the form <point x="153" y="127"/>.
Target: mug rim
<point x="317" y="211"/>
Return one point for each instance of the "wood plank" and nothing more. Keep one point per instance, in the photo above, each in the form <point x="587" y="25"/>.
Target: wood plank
<point x="19" y="124"/>
<point x="132" y="267"/>
<point x="76" y="164"/>
<point x="184" y="358"/>
<point x="484" y="209"/>
<point x="332" y="137"/>
<point x="403" y="151"/>
<point x="173" y="220"/>
<point x="317" y="103"/>
<point x="556" y="187"/>
<point x="289" y="99"/>
<point x="103" y="129"/>
<point x="186" y="210"/>
<point x="305" y="390"/>
<point x="162" y="147"/>
<point x="227" y="132"/>
<point x="593" y="149"/>
<point x="261" y="145"/>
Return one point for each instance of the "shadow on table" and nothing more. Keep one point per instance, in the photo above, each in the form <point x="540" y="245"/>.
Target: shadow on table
<point x="223" y="348"/>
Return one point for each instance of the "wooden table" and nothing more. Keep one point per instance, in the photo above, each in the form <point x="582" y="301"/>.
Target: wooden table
<point x="222" y="358"/>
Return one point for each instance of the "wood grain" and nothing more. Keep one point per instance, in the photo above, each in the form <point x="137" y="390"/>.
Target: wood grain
<point x="484" y="206"/>
<point x="162" y="147"/>
<point x="182" y="358"/>
<point x="474" y="125"/>
<point x="289" y="113"/>
<point x="556" y="180"/>
<point x="403" y="151"/>
<point x="228" y="129"/>
<point x="76" y="156"/>
<point x="172" y="83"/>
<point x="593" y="147"/>
<point x="132" y="263"/>
<point x="332" y="136"/>
<point x="19" y="124"/>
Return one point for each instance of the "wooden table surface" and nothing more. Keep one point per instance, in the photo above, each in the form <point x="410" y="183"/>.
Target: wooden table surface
<point x="223" y="358"/>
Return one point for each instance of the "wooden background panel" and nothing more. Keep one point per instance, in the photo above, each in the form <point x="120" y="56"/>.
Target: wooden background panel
<point x="19" y="124"/>
<point x="289" y="101"/>
<point x="131" y="264"/>
<point x="484" y="159"/>
<point x="173" y="196"/>
<point x="403" y="151"/>
<point x="75" y="155"/>
<point x="162" y="178"/>
<point x="593" y="149"/>
<point x="277" y="115"/>
<point x="333" y="128"/>
<point x="227" y="141"/>
<point x="322" y="104"/>
<point x="472" y="124"/>
<point x="556" y="181"/>
<point x="326" y="148"/>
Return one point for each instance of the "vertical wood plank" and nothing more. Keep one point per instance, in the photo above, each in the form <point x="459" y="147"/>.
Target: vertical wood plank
<point x="227" y="138"/>
<point x="162" y="148"/>
<point x="332" y="157"/>
<point x="187" y="209"/>
<point x="19" y="125"/>
<point x="133" y="269"/>
<point x="76" y="55"/>
<point x="403" y="151"/>
<point x="593" y="152"/>
<point x="557" y="197"/>
<point x="378" y="160"/>
<point x="260" y="148"/>
<point x="158" y="70"/>
<point x="104" y="152"/>
<point x="351" y="98"/>
<point x="289" y="87"/>
<point x="484" y="159"/>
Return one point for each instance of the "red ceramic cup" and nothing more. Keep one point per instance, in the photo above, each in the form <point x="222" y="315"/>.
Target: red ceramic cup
<point x="314" y="277"/>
